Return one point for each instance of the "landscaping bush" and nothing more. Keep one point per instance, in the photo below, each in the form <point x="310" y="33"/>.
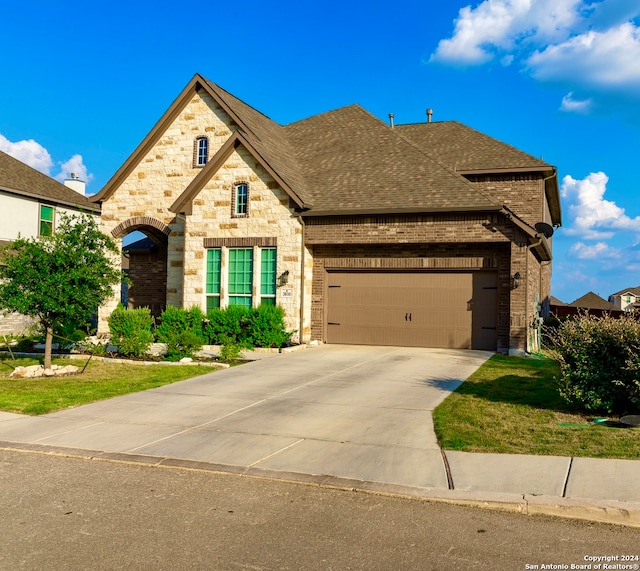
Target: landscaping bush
<point x="599" y="361"/>
<point x="131" y="330"/>
<point x="230" y="325"/>
<point x="182" y="331"/>
<point x="266" y="327"/>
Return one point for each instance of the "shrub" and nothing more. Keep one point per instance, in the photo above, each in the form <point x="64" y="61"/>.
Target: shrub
<point x="599" y="361"/>
<point x="266" y="327"/>
<point x="182" y="331"/>
<point x="230" y="351"/>
<point x="131" y="330"/>
<point x="230" y="325"/>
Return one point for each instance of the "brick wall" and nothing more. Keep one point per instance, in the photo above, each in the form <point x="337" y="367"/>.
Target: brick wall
<point x="522" y="193"/>
<point x="148" y="275"/>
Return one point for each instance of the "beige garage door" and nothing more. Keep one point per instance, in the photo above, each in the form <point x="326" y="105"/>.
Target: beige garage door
<point x="456" y="310"/>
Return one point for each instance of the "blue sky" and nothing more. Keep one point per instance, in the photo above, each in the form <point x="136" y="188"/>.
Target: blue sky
<point x="81" y="83"/>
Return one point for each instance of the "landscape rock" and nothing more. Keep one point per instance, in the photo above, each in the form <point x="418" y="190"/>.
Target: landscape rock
<point x="37" y="371"/>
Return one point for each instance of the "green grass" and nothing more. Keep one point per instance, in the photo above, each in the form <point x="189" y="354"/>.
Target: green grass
<point x="510" y="405"/>
<point x="101" y="380"/>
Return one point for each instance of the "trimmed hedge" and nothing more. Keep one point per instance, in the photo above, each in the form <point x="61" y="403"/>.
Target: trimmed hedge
<point x="262" y="326"/>
<point x="182" y="331"/>
<point x="599" y="361"/>
<point x="185" y="330"/>
<point x="131" y="330"/>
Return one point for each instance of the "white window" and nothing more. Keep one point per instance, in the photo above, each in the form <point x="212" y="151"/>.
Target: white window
<point x="201" y="151"/>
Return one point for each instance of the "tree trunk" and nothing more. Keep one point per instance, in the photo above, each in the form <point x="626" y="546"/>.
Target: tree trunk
<point x="47" y="348"/>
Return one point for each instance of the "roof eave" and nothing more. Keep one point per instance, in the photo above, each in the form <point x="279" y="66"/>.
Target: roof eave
<point x="90" y="207"/>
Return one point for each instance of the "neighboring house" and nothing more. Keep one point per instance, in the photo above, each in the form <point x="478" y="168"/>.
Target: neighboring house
<point x="590" y="303"/>
<point x="627" y="299"/>
<point x="30" y="205"/>
<point x="430" y="235"/>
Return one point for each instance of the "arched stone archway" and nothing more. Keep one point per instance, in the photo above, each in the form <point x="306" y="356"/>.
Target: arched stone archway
<point x="147" y="263"/>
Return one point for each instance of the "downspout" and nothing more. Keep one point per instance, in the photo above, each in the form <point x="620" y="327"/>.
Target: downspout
<point x="526" y="287"/>
<point x="302" y="290"/>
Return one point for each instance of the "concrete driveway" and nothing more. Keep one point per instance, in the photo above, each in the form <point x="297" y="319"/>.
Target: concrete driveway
<point x="353" y="412"/>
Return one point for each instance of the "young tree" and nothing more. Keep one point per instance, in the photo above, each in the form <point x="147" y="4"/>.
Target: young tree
<point x="60" y="278"/>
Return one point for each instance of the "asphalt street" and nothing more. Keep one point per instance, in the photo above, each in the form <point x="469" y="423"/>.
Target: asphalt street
<point x="70" y="513"/>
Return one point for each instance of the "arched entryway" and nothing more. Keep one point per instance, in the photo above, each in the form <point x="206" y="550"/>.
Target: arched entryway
<point x="145" y="263"/>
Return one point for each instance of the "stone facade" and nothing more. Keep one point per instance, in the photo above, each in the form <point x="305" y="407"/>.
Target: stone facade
<point x="146" y="192"/>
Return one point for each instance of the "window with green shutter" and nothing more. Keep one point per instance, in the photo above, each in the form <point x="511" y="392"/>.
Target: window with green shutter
<point x="268" y="276"/>
<point x="46" y="220"/>
<point x="213" y="278"/>
<point x="240" y="276"/>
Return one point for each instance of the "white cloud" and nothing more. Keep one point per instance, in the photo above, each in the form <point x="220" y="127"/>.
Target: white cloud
<point x="29" y="152"/>
<point x="572" y="105"/>
<point x="597" y="59"/>
<point x="589" y="252"/>
<point x="593" y="217"/>
<point x="36" y="156"/>
<point x="496" y="26"/>
<point x="585" y="45"/>
<point x="74" y="165"/>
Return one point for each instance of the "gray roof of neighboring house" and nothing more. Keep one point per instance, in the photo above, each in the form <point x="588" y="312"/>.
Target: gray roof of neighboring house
<point x="19" y="178"/>
<point x="593" y="301"/>
<point x="556" y="301"/>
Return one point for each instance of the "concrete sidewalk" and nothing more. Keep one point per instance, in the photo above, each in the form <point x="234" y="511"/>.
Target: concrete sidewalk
<point x="354" y="417"/>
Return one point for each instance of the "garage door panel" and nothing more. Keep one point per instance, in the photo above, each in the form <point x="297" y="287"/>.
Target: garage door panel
<point x="411" y="309"/>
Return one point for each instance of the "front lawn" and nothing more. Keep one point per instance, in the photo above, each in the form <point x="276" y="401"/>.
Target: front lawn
<point x="510" y="405"/>
<point x="100" y="380"/>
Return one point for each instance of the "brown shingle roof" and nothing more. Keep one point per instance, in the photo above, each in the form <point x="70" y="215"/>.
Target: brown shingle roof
<point x="462" y="148"/>
<point x="344" y="161"/>
<point x="352" y="161"/>
<point x="593" y="301"/>
<point x="19" y="178"/>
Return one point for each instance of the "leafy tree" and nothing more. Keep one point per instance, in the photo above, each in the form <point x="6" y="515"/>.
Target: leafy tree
<point x="61" y="278"/>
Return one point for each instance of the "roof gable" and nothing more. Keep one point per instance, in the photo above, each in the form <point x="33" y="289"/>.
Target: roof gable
<point x="18" y="178"/>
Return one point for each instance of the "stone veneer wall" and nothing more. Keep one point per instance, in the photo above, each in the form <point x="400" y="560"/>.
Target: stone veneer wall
<point x="211" y="223"/>
<point x="161" y="176"/>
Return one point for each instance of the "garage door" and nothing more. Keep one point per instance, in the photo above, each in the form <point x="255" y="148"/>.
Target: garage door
<point x="456" y="310"/>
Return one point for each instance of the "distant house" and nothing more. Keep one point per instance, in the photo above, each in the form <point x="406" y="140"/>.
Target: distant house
<point x="590" y="303"/>
<point x="364" y="232"/>
<point x="30" y="205"/>
<point x="627" y="299"/>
